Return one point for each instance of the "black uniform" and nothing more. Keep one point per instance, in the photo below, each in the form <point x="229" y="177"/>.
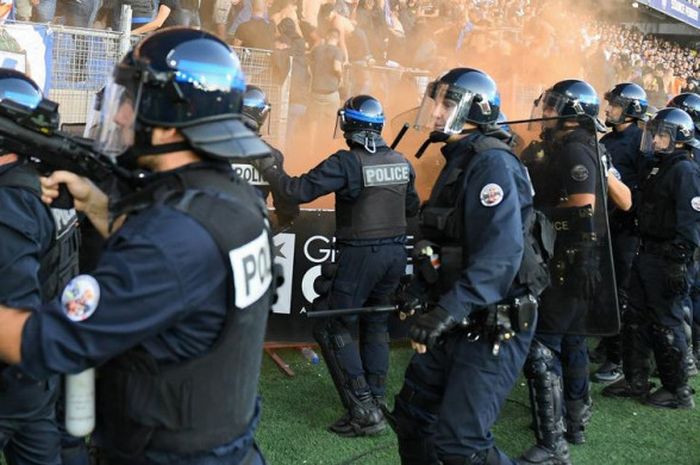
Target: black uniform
<point x="669" y="224"/>
<point x="39" y="254"/>
<point x="374" y="194"/>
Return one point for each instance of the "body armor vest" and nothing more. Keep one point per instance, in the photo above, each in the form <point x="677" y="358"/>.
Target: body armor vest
<point x="442" y="221"/>
<point x="657" y="208"/>
<point x="201" y="403"/>
<point x="59" y="264"/>
<point x="379" y="211"/>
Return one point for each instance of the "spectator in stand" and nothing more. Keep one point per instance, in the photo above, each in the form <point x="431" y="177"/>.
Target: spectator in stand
<point x="183" y="13"/>
<point x="43" y="11"/>
<point x="326" y="74"/>
<point x="23" y="10"/>
<point x="299" y="81"/>
<point x="258" y="31"/>
<point x="145" y="24"/>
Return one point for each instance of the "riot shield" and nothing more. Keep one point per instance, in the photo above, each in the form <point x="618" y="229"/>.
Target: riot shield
<point x="582" y="297"/>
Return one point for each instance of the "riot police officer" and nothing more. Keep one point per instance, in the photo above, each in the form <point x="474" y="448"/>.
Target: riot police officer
<point x="690" y="103"/>
<point x="374" y="189"/>
<point x="256" y="110"/>
<point x="569" y="186"/>
<point x="38" y="257"/>
<point x="481" y="310"/>
<point x="627" y="106"/>
<point x="175" y="311"/>
<point x="669" y="224"/>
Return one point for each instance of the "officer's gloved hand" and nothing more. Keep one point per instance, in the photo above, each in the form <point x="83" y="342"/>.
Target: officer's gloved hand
<point x="267" y="163"/>
<point x="585" y="273"/>
<point x="676" y="279"/>
<point x="428" y="327"/>
<point x="409" y="296"/>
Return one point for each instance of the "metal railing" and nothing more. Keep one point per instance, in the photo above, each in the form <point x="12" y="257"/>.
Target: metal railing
<point x="82" y="61"/>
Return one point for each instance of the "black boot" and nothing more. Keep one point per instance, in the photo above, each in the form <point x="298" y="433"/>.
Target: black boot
<point x="364" y="419"/>
<point x="673" y="372"/>
<point x="546" y="403"/>
<point x="635" y="359"/>
<point x="682" y="398"/>
<point x="578" y="415"/>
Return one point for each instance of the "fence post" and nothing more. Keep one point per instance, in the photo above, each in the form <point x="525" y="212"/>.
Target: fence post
<point x="125" y="30"/>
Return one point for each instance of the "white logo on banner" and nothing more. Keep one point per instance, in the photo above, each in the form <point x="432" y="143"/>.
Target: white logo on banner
<point x="252" y="270"/>
<point x="284" y="255"/>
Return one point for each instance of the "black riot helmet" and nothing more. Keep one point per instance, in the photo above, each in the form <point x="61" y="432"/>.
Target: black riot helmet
<point x="462" y="95"/>
<point x="573" y="98"/>
<point x="690" y="103"/>
<point x="177" y="78"/>
<point x="256" y="107"/>
<point x="633" y="100"/>
<point x="667" y="130"/>
<point x="361" y="113"/>
<point x="21" y="100"/>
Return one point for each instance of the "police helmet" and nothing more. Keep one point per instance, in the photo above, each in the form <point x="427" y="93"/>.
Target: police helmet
<point x="256" y="107"/>
<point x="460" y="96"/>
<point x="575" y="99"/>
<point x="22" y="100"/>
<point x="361" y="113"/>
<point x="178" y="78"/>
<point x="633" y="100"/>
<point x="690" y="103"/>
<point x="666" y="130"/>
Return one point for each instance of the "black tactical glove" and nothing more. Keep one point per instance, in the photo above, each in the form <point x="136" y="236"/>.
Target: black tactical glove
<point x="264" y="164"/>
<point x="428" y="327"/>
<point x="676" y="279"/>
<point x="409" y="296"/>
<point x="585" y="273"/>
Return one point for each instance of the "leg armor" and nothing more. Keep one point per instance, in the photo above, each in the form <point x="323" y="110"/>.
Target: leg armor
<point x="546" y="402"/>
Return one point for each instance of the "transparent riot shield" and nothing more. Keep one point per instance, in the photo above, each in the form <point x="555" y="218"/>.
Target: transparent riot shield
<point x="572" y="193"/>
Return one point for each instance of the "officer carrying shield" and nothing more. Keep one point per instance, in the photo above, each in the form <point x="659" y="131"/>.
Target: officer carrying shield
<point x="175" y="311"/>
<point x="669" y="224"/>
<point x="481" y="310"/>
<point x="256" y="111"/>
<point x="374" y="193"/>
<point x="627" y="106"/>
<point x="39" y="255"/>
<point x="570" y="188"/>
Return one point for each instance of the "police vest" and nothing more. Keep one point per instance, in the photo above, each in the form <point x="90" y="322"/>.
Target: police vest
<point x="60" y="263"/>
<point x="379" y="211"/>
<point x="201" y="403"/>
<point x="442" y="221"/>
<point x="657" y="207"/>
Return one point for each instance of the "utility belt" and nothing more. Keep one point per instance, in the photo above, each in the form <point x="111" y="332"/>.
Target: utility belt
<point x="501" y="322"/>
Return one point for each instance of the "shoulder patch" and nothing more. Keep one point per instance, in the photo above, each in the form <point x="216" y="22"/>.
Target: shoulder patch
<point x="491" y="195"/>
<point x="695" y="203"/>
<point x="579" y="173"/>
<point x="80" y="297"/>
<point x="252" y="270"/>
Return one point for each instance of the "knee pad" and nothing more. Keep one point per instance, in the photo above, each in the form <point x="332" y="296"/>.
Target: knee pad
<point x="539" y="360"/>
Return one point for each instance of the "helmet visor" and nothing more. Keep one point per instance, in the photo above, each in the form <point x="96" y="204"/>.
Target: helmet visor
<point x="114" y="128"/>
<point x="658" y="137"/>
<point x="442" y="107"/>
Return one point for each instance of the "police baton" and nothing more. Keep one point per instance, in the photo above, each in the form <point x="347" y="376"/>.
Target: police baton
<point x="352" y="311"/>
<point x="400" y="135"/>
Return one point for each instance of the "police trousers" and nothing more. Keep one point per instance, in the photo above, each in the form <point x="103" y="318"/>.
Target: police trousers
<point x="453" y="394"/>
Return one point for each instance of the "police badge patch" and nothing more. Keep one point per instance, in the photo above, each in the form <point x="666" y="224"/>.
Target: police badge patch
<point x="579" y="173"/>
<point x="80" y="297"/>
<point x="695" y="203"/>
<point x="491" y="195"/>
